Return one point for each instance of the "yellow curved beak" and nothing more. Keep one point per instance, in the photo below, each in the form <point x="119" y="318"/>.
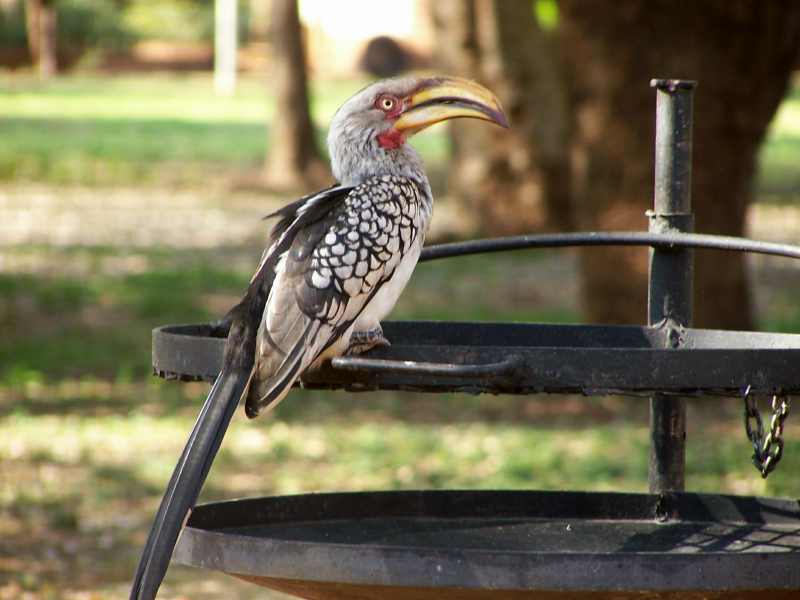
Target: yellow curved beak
<point x="441" y="98"/>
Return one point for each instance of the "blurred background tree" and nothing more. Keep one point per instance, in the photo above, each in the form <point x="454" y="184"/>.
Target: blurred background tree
<point x="742" y="53"/>
<point x="226" y="46"/>
<point x="517" y="180"/>
<point x="580" y="152"/>
<point x="41" y="20"/>
<point x="53" y="34"/>
<point x="294" y="161"/>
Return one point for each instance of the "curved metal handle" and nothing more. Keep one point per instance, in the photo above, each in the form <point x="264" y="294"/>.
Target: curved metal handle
<point x="378" y="365"/>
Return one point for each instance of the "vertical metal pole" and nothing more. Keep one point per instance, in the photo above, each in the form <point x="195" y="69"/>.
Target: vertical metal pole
<point x="671" y="271"/>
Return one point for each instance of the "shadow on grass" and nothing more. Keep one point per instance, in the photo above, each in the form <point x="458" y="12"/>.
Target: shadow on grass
<point x="57" y="326"/>
<point x="88" y="398"/>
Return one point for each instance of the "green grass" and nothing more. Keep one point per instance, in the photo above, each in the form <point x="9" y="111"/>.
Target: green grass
<point x="100" y="326"/>
<point x="782" y="313"/>
<point x="129" y="130"/>
<point x="91" y="478"/>
<point x="154" y="129"/>
<point x="65" y="295"/>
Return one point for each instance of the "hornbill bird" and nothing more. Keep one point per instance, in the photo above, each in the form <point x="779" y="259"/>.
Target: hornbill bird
<point x="335" y="265"/>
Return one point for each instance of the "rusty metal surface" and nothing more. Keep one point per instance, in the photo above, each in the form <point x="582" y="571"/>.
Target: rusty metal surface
<point x="488" y="540"/>
<point x="312" y="590"/>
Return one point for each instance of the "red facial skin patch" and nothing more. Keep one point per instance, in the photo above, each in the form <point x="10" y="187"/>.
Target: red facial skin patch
<point x="391" y="139"/>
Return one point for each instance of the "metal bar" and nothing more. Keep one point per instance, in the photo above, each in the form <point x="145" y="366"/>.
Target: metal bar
<point x="666" y="240"/>
<point x="495" y="369"/>
<point x="671" y="272"/>
<point x="587" y="359"/>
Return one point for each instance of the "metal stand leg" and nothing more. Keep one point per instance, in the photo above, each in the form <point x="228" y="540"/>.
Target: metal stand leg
<point x="671" y="271"/>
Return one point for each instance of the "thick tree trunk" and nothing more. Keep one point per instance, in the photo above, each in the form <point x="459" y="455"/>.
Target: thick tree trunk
<point x="41" y="23"/>
<point x="741" y="52"/>
<point x="293" y="160"/>
<point x="458" y="52"/>
<point x="517" y="180"/>
<point x="538" y="100"/>
<point x="48" y="24"/>
<point x="33" y="10"/>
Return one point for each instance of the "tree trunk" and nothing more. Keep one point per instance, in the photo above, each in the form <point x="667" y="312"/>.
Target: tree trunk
<point x="741" y="52"/>
<point x="225" y="46"/>
<point x="458" y="52"/>
<point x="259" y="20"/>
<point x="41" y="23"/>
<point x="33" y="10"/>
<point x="293" y="160"/>
<point x="517" y="180"/>
<point x="538" y="100"/>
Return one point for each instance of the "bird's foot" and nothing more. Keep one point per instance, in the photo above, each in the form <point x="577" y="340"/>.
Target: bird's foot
<point x="362" y="341"/>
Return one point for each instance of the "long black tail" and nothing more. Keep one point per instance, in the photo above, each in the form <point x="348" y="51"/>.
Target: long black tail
<point x="187" y="480"/>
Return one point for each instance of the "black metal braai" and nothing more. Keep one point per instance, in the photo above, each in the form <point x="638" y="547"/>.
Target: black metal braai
<point x="527" y="544"/>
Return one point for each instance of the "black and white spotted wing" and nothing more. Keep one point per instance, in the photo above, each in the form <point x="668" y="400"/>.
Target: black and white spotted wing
<point x="334" y="267"/>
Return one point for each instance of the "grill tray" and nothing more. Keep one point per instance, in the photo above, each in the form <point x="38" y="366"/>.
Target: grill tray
<point x="472" y="544"/>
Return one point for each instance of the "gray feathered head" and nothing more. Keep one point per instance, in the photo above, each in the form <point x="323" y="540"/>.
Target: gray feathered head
<point x="368" y="133"/>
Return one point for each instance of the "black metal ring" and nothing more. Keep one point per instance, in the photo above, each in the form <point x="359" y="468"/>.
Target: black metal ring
<point x="609" y="238"/>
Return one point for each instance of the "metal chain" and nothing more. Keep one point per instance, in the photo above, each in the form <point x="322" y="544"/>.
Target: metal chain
<point x="767" y="448"/>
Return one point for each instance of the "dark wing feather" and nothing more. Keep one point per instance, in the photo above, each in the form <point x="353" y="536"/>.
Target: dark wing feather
<point x="293" y="218"/>
<point x="305" y="205"/>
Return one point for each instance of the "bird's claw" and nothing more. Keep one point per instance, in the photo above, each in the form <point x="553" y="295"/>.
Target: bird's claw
<point x="363" y="341"/>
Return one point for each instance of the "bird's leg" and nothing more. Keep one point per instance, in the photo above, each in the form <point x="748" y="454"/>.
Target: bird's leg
<point x="362" y="341"/>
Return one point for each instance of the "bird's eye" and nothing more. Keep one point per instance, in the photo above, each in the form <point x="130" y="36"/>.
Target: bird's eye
<point x="386" y="103"/>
